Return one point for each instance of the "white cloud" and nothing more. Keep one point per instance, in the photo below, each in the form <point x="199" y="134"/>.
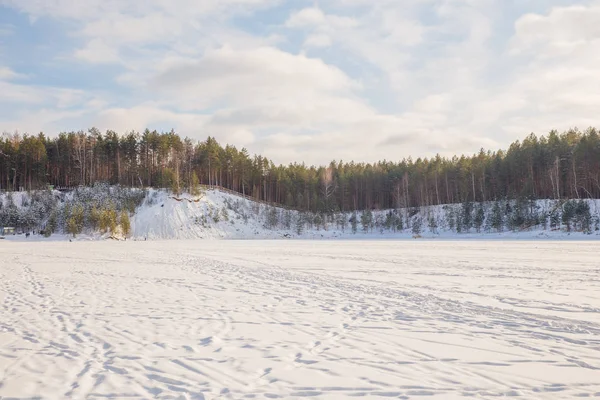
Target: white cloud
<point x="312" y="16"/>
<point x="151" y="28"/>
<point x="318" y="40"/>
<point x="97" y="9"/>
<point x="12" y="93"/>
<point x="97" y="51"/>
<point x="559" y="79"/>
<point x="8" y="74"/>
<point x="563" y="26"/>
<point x="395" y="78"/>
<point x="263" y="74"/>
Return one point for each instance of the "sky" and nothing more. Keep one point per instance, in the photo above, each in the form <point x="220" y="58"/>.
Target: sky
<point x="306" y="81"/>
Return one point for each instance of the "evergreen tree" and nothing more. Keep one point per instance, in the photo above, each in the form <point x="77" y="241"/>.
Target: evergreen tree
<point x="51" y="225"/>
<point x="287" y="219"/>
<point x="583" y="216"/>
<point x="399" y="223"/>
<point x="272" y="218"/>
<point x="568" y="212"/>
<point x="555" y="218"/>
<point x="75" y="220"/>
<point x="354" y="222"/>
<point x="195" y="189"/>
<point x="432" y="224"/>
<point x="450" y="220"/>
<point x="342" y="221"/>
<point x="125" y="223"/>
<point x="416" y="226"/>
<point x="299" y="224"/>
<point x="389" y="222"/>
<point x="366" y="220"/>
<point x="479" y="218"/>
<point x="518" y="216"/>
<point x="467" y="216"/>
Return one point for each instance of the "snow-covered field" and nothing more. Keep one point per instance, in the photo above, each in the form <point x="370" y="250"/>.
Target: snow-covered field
<point x="294" y="319"/>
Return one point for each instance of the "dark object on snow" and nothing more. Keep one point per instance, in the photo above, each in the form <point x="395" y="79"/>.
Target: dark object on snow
<point x="287" y="235"/>
<point x="70" y="240"/>
<point x="27" y="235"/>
<point x="162" y="205"/>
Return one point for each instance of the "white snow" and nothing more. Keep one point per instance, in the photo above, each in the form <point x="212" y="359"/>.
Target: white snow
<point x="293" y="319"/>
<point x="161" y="216"/>
<point x="166" y="216"/>
<point x="220" y="215"/>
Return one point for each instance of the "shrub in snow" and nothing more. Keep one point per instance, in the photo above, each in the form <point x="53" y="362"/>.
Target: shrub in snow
<point x="432" y="223"/>
<point x="366" y="220"/>
<point x="299" y="223"/>
<point x="479" y="218"/>
<point x="417" y="225"/>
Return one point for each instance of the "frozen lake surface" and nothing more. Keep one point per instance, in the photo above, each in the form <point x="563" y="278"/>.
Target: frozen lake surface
<point x="295" y="319"/>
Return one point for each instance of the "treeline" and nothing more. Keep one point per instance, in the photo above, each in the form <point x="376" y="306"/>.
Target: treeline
<point x="556" y="166"/>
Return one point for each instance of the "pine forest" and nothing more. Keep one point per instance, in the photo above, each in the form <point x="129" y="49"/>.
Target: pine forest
<point x="554" y="166"/>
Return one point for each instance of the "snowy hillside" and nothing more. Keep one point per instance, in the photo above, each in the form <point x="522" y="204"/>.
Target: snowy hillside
<point x="212" y="215"/>
<point x="103" y="212"/>
<point x="222" y="215"/>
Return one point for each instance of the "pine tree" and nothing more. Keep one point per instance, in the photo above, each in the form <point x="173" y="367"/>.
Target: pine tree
<point x="51" y="225"/>
<point x="94" y="217"/>
<point x="389" y="221"/>
<point x="354" y="222"/>
<point x="432" y="223"/>
<point x="479" y="218"/>
<point x="287" y="219"/>
<point x="416" y="226"/>
<point x="497" y="220"/>
<point x="108" y="220"/>
<point x="568" y="213"/>
<point x="299" y="224"/>
<point x="555" y="218"/>
<point x="195" y="189"/>
<point x="583" y="216"/>
<point x="75" y="220"/>
<point x="450" y="220"/>
<point x="366" y="220"/>
<point x="125" y="223"/>
<point x="113" y="221"/>
<point x="399" y="222"/>
<point x="467" y="215"/>
<point x="224" y="214"/>
<point x="272" y="218"/>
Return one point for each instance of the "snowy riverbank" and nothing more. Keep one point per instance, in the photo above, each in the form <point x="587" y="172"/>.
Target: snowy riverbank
<point x="158" y="214"/>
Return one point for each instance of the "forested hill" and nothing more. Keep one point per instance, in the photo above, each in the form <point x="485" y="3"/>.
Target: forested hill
<point x="556" y="166"/>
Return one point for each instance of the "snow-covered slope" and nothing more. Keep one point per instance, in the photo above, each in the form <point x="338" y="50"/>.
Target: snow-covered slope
<point x="212" y="215"/>
<point x="222" y="215"/>
<point x="159" y="214"/>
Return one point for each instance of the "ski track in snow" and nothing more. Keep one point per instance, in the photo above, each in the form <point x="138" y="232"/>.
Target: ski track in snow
<point x="296" y="319"/>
